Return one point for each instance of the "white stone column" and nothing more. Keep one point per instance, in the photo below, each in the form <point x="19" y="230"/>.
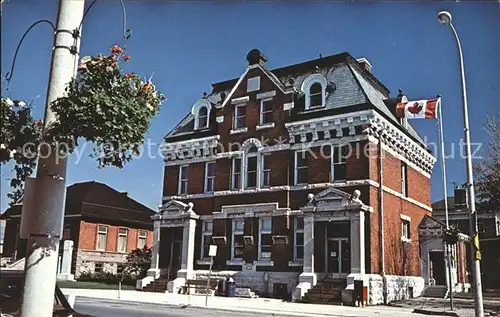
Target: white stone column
<point x="188" y="241"/>
<point x="154" y="271"/>
<point x="65" y="269"/>
<point x="358" y="243"/>
<point x="308" y="274"/>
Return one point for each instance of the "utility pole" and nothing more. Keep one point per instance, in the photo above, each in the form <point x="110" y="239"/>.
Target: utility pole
<point x="49" y="198"/>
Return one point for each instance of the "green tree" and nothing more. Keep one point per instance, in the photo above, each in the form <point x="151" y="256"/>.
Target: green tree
<point x="138" y="263"/>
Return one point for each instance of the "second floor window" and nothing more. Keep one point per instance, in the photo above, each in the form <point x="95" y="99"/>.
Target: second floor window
<point x="404" y="179"/>
<point x="251" y="177"/>
<point x="301" y="168"/>
<point x="122" y="240"/>
<point x="183" y="179"/>
<point x="266" y="170"/>
<point x="209" y="177"/>
<point x="236" y="174"/>
<point x="102" y="238"/>
<point x="339" y="163"/>
<point x="266" y="111"/>
<point x="240" y="114"/>
<point x="206" y="238"/>
<point x="142" y="239"/>
<point x="265" y="239"/>
<point x="298" y="243"/>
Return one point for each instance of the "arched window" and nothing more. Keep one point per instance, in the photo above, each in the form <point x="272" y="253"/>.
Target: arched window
<point x="314" y="89"/>
<point x="202" y="118"/>
<point x="252" y="167"/>
<point x="315" y="95"/>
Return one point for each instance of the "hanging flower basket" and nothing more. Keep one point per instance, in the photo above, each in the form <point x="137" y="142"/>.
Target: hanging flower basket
<point x="107" y="107"/>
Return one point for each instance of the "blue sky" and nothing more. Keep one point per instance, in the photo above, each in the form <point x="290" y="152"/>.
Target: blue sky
<point x="191" y="45"/>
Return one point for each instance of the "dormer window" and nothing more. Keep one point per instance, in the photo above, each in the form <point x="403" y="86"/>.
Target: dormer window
<point x="201" y="113"/>
<point x="202" y="118"/>
<point x="314" y="89"/>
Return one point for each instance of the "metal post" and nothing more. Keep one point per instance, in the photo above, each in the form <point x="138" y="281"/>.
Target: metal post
<point x="208" y="280"/>
<point x="43" y="243"/>
<point x="445" y="192"/>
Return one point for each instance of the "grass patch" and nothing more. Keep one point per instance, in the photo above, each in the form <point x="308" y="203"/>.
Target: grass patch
<point x="92" y="285"/>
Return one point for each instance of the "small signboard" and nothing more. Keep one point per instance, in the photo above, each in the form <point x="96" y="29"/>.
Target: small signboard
<point x="212" y="251"/>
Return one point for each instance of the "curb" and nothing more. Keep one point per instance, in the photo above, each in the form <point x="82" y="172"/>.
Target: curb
<point x="435" y="312"/>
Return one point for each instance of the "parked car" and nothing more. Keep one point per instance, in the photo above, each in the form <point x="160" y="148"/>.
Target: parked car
<point x="11" y="294"/>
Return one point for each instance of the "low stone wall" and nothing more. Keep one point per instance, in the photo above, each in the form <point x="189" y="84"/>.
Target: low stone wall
<point x="86" y="261"/>
<point x="398" y="288"/>
<point x="254" y="280"/>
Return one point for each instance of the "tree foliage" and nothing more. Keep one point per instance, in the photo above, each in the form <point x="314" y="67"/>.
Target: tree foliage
<point x="102" y="105"/>
<point x="488" y="169"/>
<point x="138" y="263"/>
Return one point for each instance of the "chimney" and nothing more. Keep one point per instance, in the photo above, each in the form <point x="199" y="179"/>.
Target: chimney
<point x="365" y="64"/>
<point x="256" y="57"/>
<point x="124" y="193"/>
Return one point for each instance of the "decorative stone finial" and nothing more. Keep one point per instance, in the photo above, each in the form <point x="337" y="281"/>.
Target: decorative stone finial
<point x="310" y="197"/>
<point x="255" y="57"/>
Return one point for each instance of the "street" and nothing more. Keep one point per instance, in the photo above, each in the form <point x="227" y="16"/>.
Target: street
<point x="113" y="308"/>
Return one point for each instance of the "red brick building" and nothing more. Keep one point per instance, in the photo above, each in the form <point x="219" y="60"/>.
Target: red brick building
<point x="284" y="170"/>
<point x="103" y="224"/>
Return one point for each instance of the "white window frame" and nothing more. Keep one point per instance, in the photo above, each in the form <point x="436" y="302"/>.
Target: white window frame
<point x="236" y="116"/>
<point x="105" y="232"/>
<point x="121" y="235"/>
<point x="142" y="235"/>
<point x="233" y="173"/>
<point x="296" y="168"/>
<point x="195" y="111"/>
<point x="199" y="126"/>
<point x="183" y="180"/>
<point x="262" y="231"/>
<point x="297" y="230"/>
<point x="333" y="163"/>
<point x="405" y="234"/>
<point x="205" y="233"/>
<point x="256" y="156"/>
<point x="404" y="179"/>
<point x="209" y="179"/>
<point x="306" y="89"/>
<point x="234" y="233"/>
<point x="262" y="112"/>
<point x="263" y="171"/>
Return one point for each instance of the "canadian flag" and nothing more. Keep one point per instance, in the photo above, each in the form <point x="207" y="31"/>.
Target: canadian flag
<point x="420" y="109"/>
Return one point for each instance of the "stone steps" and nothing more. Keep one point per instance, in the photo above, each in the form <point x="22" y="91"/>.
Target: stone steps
<point x="435" y="291"/>
<point x="326" y="292"/>
<point x="157" y="286"/>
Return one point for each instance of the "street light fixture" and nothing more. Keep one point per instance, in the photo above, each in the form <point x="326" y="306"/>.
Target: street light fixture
<point x="444" y="17"/>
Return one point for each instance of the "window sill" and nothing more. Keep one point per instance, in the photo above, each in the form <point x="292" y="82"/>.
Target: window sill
<point x="265" y="126"/>
<point x="405" y="240"/>
<point x="239" y="130"/>
<point x="296" y="263"/>
<point x="203" y="262"/>
<point x="263" y="263"/>
<point x="234" y="262"/>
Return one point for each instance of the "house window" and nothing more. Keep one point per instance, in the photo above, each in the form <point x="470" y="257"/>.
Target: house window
<point x="202" y="118"/>
<point x="266" y="111"/>
<point x="251" y="172"/>
<point x="266" y="170"/>
<point x="122" y="240"/>
<point x="238" y="240"/>
<point x="98" y="267"/>
<point x="206" y="238"/>
<point x="315" y="95"/>
<point x="339" y="163"/>
<point x="404" y="179"/>
<point x="253" y="84"/>
<point x="142" y="239"/>
<point x="236" y="174"/>
<point x="102" y="238"/>
<point x="298" y="241"/>
<point x="183" y="179"/>
<point x="265" y="239"/>
<point x="405" y="227"/>
<point x="301" y="167"/>
<point x="210" y="177"/>
<point x="240" y="114"/>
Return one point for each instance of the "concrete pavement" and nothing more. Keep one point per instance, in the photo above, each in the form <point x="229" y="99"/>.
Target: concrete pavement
<point x="251" y="306"/>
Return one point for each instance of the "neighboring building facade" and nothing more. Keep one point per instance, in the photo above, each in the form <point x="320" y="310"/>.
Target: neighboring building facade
<point x="104" y="224"/>
<point x="489" y="240"/>
<point x="282" y="170"/>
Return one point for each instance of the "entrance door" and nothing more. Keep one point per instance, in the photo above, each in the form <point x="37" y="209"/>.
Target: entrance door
<point x="438" y="270"/>
<point x="338" y="257"/>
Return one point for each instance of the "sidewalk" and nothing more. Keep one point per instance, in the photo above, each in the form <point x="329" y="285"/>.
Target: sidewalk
<point x="263" y="305"/>
<point x="462" y="307"/>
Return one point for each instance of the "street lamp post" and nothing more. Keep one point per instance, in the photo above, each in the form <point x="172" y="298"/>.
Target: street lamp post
<point x="444" y="17"/>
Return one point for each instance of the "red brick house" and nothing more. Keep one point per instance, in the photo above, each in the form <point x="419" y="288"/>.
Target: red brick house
<point x="284" y="170"/>
<point x="103" y="224"/>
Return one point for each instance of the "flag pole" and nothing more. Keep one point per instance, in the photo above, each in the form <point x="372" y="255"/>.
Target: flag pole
<point x="445" y="192"/>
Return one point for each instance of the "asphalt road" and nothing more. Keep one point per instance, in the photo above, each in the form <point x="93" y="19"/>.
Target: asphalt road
<point x="110" y="308"/>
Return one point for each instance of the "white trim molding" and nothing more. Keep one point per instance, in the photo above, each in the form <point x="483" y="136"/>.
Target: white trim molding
<point x="306" y="87"/>
<point x="195" y="111"/>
